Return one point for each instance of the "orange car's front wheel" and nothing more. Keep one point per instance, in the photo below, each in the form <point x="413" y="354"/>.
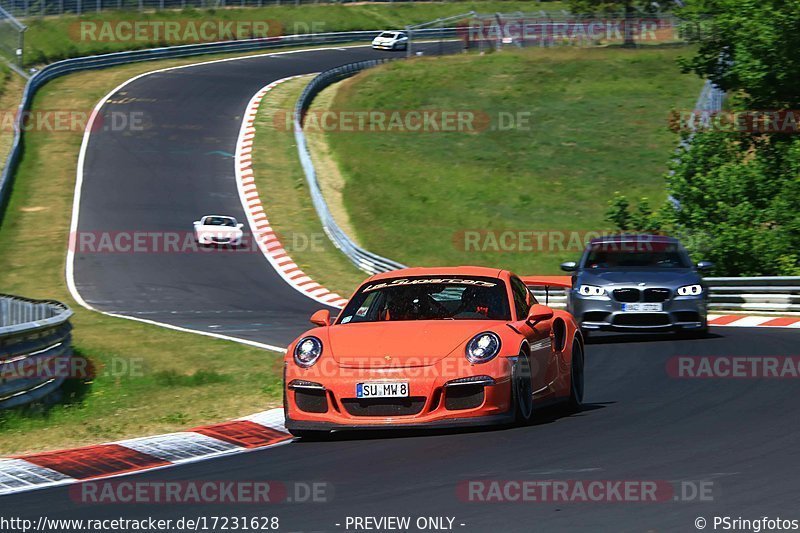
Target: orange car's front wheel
<point x="522" y="390"/>
<point x="576" y="377"/>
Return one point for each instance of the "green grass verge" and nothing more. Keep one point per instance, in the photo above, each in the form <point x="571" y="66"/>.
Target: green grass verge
<point x="284" y="193"/>
<point x="599" y="124"/>
<point x="150" y="380"/>
<point x="51" y="38"/>
<point x="11" y="87"/>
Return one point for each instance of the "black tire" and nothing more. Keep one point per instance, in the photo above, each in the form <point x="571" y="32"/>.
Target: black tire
<point x="576" y="378"/>
<point x="522" y="390"/>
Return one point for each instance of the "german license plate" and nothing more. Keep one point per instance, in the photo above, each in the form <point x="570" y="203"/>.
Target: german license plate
<point x="642" y="307"/>
<point x="382" y="390"/>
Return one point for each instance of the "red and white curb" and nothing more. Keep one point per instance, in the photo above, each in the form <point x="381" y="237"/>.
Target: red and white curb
<point x="745" y="321"/>
<point x="264" y="235"/>
<point x="40" y="470"/>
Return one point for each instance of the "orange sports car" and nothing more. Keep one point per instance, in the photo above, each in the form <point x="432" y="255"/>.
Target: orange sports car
<point x="433" y="347"/>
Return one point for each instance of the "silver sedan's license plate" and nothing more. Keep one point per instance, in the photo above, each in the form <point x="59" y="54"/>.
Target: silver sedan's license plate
<point x="642" y="307"/>
<point x="382" y="390"/>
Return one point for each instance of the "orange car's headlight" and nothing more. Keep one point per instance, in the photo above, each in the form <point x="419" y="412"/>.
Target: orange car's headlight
<point x="483" y="347"/>
<point x="307" y="351"/>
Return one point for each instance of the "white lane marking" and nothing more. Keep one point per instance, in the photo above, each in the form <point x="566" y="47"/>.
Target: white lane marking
<point x="76" y="201"/>
<point x="747" y="321"/>
<point x="267" y="241"/>
<point x="179" y="447"/>
<point x="273" y="419"/>
<point x="17" y="475"/>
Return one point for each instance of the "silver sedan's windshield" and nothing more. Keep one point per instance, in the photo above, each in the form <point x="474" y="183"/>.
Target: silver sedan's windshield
<point x="636" y="255"/>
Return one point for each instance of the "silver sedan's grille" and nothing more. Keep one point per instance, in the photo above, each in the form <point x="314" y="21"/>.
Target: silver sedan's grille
<point x="626" y="295"/>
<point x="646" y="295"/>
<point x="657" y="295"/>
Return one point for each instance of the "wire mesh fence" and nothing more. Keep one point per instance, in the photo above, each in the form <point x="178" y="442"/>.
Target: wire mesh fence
<point x="12" y="34"/>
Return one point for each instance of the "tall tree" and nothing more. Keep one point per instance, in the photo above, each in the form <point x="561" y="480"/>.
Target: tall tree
<point x="737" y="193"/>
<point x="750" y="47"/>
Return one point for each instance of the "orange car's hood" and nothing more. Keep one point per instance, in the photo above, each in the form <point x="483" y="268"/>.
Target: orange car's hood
<point x="402" y="343"/>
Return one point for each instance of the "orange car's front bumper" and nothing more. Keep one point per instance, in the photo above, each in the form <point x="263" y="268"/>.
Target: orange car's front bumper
<point x="437" y="397"/>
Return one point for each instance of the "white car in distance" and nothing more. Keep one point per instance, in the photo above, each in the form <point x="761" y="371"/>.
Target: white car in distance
<point x="218" y="229"/>
<point x="390" y="40"/>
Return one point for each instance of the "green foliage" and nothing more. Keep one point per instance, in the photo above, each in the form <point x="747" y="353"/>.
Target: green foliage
<point x="739" y="203"/>
<point x="642" y="220"/>
<point x="735" y="202"/>
<point x="749" y="46"/>
<point x="619" y="212"/>
<point x="738" y="195"/>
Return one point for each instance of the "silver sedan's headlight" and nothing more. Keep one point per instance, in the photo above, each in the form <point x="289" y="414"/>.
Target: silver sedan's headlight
<point x="690" y="290"/>
<point x="591" y="290"/>
<point x="483" y="347"/>
<point x="307" y="351"/>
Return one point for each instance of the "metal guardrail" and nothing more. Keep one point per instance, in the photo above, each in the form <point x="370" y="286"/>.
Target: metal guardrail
<point x="772" y="294"/>
<point x="363" y="259"/>
<point x="35" y="348"/>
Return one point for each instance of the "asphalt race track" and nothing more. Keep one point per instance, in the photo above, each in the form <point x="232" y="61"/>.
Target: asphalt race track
<point x="175" y="169"/>
<point x="641" y="424"/>
<point x="738" y="435"/>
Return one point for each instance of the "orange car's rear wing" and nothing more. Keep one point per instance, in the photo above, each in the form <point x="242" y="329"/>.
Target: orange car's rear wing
<point x="547" y="281"/>
<point x="563" y="282"/>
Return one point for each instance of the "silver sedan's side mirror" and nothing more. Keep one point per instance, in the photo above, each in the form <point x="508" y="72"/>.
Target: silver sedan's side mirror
<point x="704" y="266"/>
<point x="569" y="266"/>
<point x="240" y="225"/>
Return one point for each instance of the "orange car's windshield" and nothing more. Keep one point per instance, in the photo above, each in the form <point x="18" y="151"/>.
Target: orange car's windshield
<point x="429" y="298"/>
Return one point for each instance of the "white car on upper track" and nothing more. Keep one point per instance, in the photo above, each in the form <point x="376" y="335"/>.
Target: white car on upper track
<point x="390" y="40"/>
<point x="218" y="229"/>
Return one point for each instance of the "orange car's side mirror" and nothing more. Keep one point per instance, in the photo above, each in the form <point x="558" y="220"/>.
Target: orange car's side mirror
<point x="538" y="313"/>
<point x="321" y="318"/>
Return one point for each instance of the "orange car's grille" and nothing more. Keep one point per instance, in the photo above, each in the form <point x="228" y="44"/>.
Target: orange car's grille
<point x="384" y="406"/>
<point x="311" y="401"/>
<point x="463" y="397"/>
